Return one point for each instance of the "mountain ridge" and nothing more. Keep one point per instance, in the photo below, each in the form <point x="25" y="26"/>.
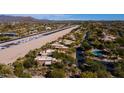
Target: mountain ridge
<point x="8" y="18"/>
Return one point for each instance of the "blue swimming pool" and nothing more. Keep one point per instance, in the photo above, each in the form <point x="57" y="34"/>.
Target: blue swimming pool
<point x="97" y="52"/>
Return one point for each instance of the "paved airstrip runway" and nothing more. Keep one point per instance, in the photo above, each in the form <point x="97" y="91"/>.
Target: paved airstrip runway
<point x="11" y="54"/>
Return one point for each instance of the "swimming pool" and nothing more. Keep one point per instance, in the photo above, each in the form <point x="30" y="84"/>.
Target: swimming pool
<point x="97" y="52"/>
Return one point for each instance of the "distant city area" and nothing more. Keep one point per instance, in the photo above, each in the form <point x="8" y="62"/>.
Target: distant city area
<point x="43" y="48"/>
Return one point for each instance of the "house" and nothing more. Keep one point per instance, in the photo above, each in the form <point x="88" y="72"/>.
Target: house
<point x="60" y="47"/>
<point x="68" y="42"/>
<point x="44" y="57"/>
<point x="108" y="37"/>
<point x="45" y="60"/>
<point x="72" y="37"/>
<point x="47" y="52"/>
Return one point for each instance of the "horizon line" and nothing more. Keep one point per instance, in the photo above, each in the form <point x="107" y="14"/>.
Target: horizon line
<point x="73" y="17"/>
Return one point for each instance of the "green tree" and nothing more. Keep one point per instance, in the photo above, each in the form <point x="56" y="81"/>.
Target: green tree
<point x="58" y="65"/>
<point x="118" y="73"/>
<point x="118" y="69"/>
<point x="103" y="74"/>
<point x="6" y="70"/>
<point x="56" y="73"/>
<point x="92" y="66"/>
<point x="29" y="60"/>
<point x="120" y="41"/>
<point x="85" y="45"/>
<point x="96" y="66"/>
<point x="120" y="52"/>
<point x="25" y="75"/>
<point x="64" y="57"/>
<point x="4" y="38"/>
<point x="88" y="75"/>
<point x="18" y="68"/>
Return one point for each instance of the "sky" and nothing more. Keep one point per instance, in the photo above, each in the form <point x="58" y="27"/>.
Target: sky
<point x="75" y="16"/>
